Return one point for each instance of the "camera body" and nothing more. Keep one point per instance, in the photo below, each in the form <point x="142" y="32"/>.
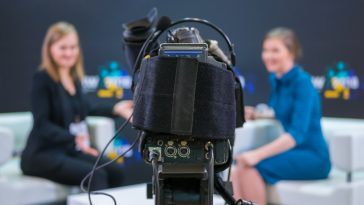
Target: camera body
<point x="184" y="156"/>
<point x="187" y="104"/>
<point x="174" y="149"/>
<point x="183" y="167"/>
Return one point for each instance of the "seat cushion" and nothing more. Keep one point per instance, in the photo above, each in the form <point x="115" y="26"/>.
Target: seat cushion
<point x="333" y="191"/>
<point x="20" y="123"/>
<point x="7" y="144"/>
<point x="18" y="189"/>
<point x="255" y="134"/>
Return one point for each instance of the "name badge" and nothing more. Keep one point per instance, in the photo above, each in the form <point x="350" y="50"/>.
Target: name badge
<point x="79" y="128"/>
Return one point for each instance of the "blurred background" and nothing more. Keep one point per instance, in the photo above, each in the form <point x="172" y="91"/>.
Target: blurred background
<point x="331" y="33"/>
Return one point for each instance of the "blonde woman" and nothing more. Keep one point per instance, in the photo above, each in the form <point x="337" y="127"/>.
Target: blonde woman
<point x="301" y="152"/>
<point x="58" y="146"/>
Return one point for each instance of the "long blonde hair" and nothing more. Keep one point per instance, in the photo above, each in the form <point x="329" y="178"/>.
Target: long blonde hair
<point x="54" y="33"/>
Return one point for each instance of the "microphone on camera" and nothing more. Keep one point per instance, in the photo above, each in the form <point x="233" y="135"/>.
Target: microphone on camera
<point x="163" y="23"/>
<point x="215" y="50"/>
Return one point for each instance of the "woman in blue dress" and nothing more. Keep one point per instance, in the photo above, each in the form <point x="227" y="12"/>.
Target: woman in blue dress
<point x="301" y="152"/>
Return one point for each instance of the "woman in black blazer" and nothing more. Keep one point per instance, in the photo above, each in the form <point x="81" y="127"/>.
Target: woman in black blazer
<point x="58" y="146"/>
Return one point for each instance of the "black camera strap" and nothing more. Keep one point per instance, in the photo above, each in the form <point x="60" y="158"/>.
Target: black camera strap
<point x="184" y="96"/>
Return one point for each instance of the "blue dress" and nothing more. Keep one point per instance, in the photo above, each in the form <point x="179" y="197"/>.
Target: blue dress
<point x="297" y="106"/>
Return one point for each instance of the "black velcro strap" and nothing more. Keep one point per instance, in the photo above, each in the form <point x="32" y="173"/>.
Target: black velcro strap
<point x="184" y="96"/>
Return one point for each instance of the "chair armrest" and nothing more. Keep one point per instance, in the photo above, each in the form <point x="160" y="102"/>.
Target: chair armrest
<point x="20" y="123"/>
<point x="347" y="151"/>
<point x="255" y="134"/>
<point x="7" y="139"/>
<point x="101" y="130"/>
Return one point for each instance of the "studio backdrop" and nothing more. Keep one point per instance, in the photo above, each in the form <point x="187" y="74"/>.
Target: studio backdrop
<point x="331" y="33"/>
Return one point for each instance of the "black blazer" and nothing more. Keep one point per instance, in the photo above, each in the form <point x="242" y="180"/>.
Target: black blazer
<point x="50" y="140"/>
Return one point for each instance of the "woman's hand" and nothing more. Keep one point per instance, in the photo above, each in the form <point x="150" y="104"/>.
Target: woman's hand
<point x="249" y="113"/>
<point x="83" y="143"/>
<point x="124" y="108"/>
<point x="250" y="159"/>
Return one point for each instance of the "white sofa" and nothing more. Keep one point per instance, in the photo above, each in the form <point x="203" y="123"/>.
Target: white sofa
<point x="345" y="185"/>
<point x="345" y="137"/>
<point x="17" y="189"/>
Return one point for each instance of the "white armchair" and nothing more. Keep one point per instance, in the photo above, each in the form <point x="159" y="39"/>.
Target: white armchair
<point x="7" y="144"/>
<point x="17" y="189"/>
<point x="345" y="184"/>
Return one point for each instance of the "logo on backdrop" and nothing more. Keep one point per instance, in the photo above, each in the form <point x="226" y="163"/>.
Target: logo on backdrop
<point x="119" y="146"/>
<point x="111" y="81"/>
<point x="341" y="82"/>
